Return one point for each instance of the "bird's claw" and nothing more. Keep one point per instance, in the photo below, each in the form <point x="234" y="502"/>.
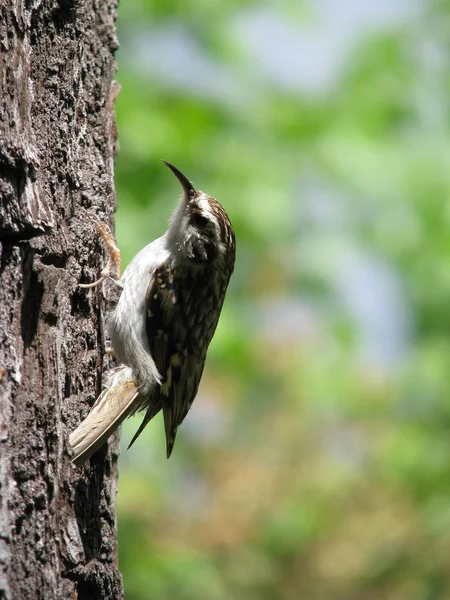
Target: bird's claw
<point x="114" y="252"/>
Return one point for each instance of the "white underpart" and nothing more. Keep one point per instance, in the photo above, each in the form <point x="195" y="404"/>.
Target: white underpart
<point x="127" y="323"/>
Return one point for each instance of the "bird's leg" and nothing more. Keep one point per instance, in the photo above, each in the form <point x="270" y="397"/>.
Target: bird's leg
<point x="114" y="254"/>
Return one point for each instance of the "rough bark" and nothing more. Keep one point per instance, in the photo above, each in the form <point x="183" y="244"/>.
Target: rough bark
<point x="57" y="136"/>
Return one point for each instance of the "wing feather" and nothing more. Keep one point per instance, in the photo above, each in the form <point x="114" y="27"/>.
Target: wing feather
<point x="168" y="332"/>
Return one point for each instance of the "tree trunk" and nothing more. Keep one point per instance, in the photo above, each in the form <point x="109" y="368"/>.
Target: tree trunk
<point x="57" y="137"/>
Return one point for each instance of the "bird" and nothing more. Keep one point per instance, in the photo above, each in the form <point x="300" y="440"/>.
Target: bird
<point x="161" y="317"/>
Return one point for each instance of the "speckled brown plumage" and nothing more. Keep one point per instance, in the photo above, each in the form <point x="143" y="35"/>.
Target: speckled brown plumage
<point x="163" y="319"/>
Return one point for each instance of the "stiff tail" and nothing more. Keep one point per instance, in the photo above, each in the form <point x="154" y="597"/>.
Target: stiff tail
<point x="152" y="410"/>
<point x="118" y="401"/>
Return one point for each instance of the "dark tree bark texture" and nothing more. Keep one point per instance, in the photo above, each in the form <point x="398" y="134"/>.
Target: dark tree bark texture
<point x="57" y="136"/>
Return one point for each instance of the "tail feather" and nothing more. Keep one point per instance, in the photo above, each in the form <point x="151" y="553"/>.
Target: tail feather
<point x="118" y="401"/>
<point x="170" y="426"/>
<point x="152" y="410"/>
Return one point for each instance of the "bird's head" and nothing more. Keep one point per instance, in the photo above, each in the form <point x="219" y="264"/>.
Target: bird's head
<point x="200" y="230"/>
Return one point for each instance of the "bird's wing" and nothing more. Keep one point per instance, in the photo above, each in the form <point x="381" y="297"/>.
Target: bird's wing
<point x="169" y="337"/>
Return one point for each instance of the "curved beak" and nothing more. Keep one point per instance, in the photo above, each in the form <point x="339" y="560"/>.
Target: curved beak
<point x="185" y="183"/>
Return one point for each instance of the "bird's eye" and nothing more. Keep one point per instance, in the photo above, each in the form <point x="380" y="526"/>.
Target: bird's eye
<point x="199" y="220"/>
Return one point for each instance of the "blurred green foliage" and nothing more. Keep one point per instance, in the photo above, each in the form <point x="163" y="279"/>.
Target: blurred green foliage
<point x="315" y="462"/>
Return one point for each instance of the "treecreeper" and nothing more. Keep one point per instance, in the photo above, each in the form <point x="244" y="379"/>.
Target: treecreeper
<point x="161" y="319"/>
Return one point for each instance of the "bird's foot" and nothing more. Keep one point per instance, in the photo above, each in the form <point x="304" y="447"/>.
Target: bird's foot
<point x="114" y="253"/>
